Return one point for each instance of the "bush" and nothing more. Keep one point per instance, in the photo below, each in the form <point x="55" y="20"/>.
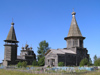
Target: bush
<point x="35" y="63"/>
<point x="61" y="64"/>
<point x="24" y="64"/>
<point x="84" y="62"/>
<point x="97" y="62"/>
<point x="19" y="64"/>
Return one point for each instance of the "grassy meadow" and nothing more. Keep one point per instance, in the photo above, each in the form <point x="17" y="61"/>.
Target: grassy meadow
<point x="10" y="72"/>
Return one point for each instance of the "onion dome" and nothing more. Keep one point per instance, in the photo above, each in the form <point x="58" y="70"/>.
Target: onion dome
<point x="12" y="23"/>
<point x="22" y="48"/>
<point x="31" y="48"/>
<point x="26" y="46"/>
<point x="73" y="13"/>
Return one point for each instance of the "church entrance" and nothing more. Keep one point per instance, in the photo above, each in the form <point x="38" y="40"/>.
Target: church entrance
<point x="51" y="62"/>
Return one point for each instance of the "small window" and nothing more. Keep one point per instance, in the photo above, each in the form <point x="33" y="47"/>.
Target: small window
<point x="81" y="43"/>
<point x="75" y="42"/>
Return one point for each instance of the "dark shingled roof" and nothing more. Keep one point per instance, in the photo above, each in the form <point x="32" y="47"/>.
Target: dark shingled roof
<point x="11" y="35"/>
<point x="74" y="29"/>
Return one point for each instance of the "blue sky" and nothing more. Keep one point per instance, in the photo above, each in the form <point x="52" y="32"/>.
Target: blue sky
<point x="38" y="20"/>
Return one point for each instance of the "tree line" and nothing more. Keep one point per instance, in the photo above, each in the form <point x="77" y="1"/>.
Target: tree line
<point x="85" y="61"/>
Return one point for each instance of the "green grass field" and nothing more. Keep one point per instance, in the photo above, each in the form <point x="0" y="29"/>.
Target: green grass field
<point x="10" y="72"/>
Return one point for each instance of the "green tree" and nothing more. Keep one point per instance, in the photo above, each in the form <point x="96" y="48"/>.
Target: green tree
<point x="61" y="64"/>
<point x="41" y="61"/>
<point x="42" y="49"/>
<point x="35" y="63"/>
<point x="84" y="62"/>
<point x="90" y="61"/>
<point x="19" y="65"/>
<point x="97" y="62"/>
<point x="24" y="64"/>
<point x="95" y="58"/>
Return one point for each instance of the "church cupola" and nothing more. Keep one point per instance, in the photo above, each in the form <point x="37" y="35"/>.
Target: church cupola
<point x="74" y="37"/>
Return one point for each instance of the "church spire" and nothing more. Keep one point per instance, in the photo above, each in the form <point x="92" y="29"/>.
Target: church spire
<point x="11" y="35"/>
<point x="74" y="29"/>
